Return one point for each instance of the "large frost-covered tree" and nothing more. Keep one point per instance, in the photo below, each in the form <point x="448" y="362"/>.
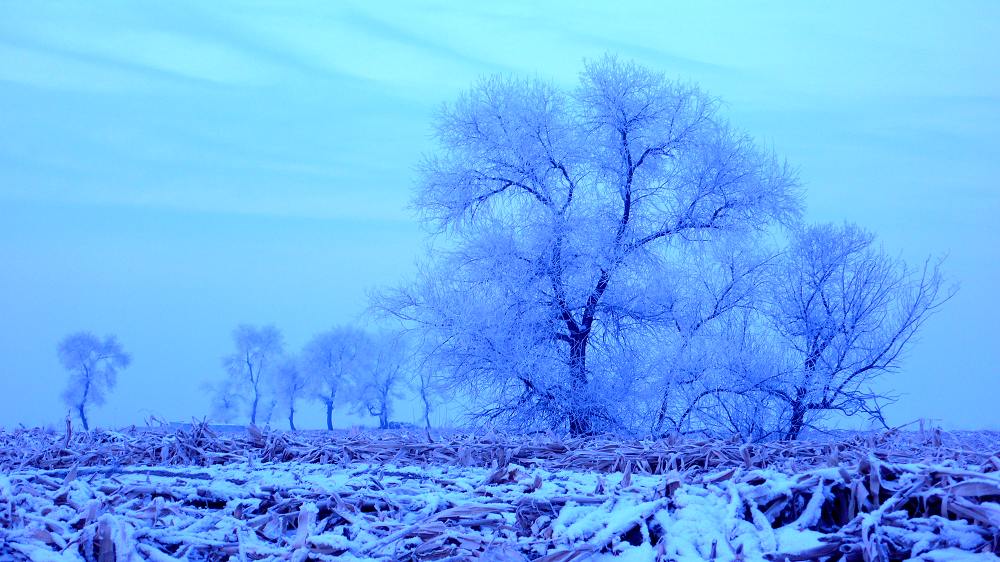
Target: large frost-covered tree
<point x="258" y="351"/>
<point x="845" y="312"/>
<point x="559" y="212"/>
<point x="93" y="365"/>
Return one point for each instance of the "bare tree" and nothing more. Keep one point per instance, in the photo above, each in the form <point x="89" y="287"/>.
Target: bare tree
<point x="560" y="209"/>
<point x="227" y="399"/>
<point x="846" y="311"/>
<point x="289" y="386"/>
<point x="426" y="389"/>
<point x="93" y="365"/>
<point x="330" y="359"/>
<point x="379" y="384"/>
<point x="258" y="351"/>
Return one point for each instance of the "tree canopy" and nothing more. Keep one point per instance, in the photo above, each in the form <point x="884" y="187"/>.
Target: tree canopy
<point x="564" y="212"/>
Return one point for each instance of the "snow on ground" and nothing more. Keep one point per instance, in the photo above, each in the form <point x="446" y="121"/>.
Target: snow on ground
<point x="359" y="511"/>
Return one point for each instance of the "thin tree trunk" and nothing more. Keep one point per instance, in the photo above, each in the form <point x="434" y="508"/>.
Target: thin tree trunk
<point x="427" y="406"/>
<point x="661" y="414"/>
<point x="291" y="418"/>
<point x="83" y="416"/>
<point x="256" y="392"/>
<point x="329" y="415"/>
<point x="83" y="401"/>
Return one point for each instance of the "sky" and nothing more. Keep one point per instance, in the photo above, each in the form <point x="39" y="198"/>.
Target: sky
<point x="170" y="170"/>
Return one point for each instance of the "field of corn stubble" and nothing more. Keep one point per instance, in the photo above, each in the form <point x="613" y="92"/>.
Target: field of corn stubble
<point x="195" y="494"/>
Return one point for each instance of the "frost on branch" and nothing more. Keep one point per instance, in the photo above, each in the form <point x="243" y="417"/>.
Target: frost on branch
<point x="561" y="211"/>
<point x="93" y="365"/>
<point x="844" y="312"/>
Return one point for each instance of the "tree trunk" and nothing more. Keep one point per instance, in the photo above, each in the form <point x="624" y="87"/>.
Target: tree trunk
<point x="329" y="415"/>
<point x="291" y="419"/>
<point x="383" y="419"/>
<point x="797" y="423"/>
<point x="427" y="406"/>
<point x="579" y="417"/>
<point x="83" y="416"/>
<point x="253" y="409"/>
<point x="83" y="401"/>
<point x="661" y="413"/>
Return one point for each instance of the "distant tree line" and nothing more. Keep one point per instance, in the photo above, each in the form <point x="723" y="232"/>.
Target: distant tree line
<point x="366" y="372"/>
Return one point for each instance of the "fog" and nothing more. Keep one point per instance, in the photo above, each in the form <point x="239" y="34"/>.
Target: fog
<point x="168" y="172"/>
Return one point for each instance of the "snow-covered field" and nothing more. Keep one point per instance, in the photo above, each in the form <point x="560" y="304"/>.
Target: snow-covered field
<point x="498" y="500"/>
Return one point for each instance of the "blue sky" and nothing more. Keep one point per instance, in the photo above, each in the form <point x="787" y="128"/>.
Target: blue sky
<point x="168" y="170"/>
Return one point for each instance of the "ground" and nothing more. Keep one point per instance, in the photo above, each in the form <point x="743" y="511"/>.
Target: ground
<point x="194" y="494"/>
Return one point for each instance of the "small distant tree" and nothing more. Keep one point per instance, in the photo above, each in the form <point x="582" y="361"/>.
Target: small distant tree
<point x="258" y="351"/>
<point x="227" y="400"/>
<point x="93" y="365"/>
<point x="380" y="383"/>
<point x="290" y="385"/>
<point x="846" y="311"/>
<point x="426" y="388"/>
<point x="329" y="359"/>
